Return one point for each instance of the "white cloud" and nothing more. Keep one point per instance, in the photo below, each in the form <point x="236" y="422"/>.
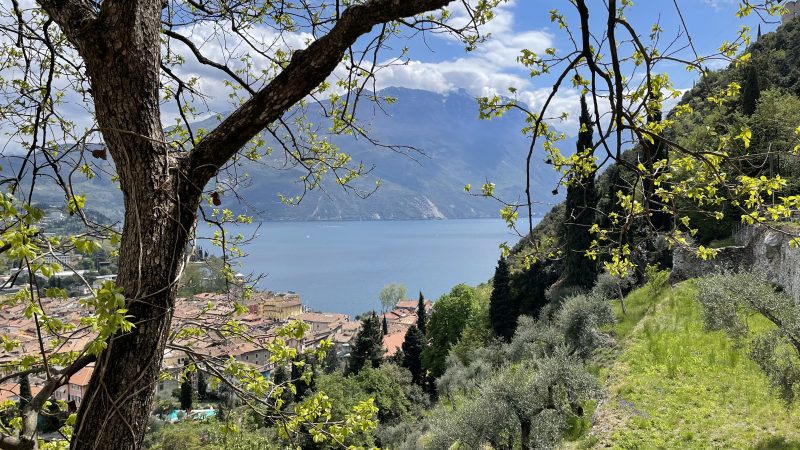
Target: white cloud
<point x="488" y="70"/>
<point x="718" y="4"/>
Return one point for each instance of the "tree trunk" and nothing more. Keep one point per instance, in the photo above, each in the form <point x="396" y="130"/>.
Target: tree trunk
<point x="160" y="211"/>
<point x="114" y="411"/>
<point x="525" y="434"/>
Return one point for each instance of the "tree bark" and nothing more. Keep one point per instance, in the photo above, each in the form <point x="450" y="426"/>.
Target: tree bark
<point x="160" y="208"/>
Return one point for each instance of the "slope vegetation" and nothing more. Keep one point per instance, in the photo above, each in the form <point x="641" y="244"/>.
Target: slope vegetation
<point x="671" y="384"/>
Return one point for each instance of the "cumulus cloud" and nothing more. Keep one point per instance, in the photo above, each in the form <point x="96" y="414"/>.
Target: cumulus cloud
<point x="488" y="70"/>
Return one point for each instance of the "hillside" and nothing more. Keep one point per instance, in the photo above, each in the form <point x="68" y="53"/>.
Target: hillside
<point x="455" y="148"/>
<point x="671" y="384"/>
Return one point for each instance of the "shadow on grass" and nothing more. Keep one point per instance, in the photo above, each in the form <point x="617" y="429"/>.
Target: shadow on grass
<point x="777" y="443"/>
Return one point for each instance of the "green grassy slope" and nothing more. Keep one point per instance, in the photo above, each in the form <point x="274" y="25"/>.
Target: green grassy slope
<point x="672" y="385"/>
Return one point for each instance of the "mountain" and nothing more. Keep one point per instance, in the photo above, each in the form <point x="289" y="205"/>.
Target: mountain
<point x="456" y="148"/>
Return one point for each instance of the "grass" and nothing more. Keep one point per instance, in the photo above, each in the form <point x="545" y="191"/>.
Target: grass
<point x="673" y="385"/>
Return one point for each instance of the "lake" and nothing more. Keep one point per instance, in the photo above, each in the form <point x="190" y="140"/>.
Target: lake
<point x="342" y="266"/>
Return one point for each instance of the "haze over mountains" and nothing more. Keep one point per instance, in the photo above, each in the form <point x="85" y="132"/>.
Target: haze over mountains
<point x="458" y="146"/>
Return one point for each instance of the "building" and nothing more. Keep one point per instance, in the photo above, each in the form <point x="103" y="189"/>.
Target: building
<point x="411" y="305"/>
<point x="280" y="306"/>
<point x="9" y="391"/>
<point x="792" y="11"/>
<point x="393" y="342"/>
<point x="76" y="388"/>
<point x="58" y="258"/>
<point x="323" y="322"/>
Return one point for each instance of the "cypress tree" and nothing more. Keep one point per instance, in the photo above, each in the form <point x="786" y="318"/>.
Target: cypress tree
<point x="186" y="392"/>
<point x="503" y="311"/>
<point x="412" y="354"/>
<point x="422" y="315"/>
<point x="368" y="348"/>
<point x="528" y="287"/>
<point x="653" y="152"/>
<point x="758" y="35"/>
<point x="25" y="395"/>
<point x="202" y="386"/>
<point x="280" y="376"/>
<point x="580" y="212"/>
<point x="301" y="387"/>
<point x="385" y="326"/>
<point x="331" y="362"/>
<point x="751" y="91"/>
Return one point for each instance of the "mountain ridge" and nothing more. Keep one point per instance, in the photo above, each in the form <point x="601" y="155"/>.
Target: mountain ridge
<point x="458" y="148"/>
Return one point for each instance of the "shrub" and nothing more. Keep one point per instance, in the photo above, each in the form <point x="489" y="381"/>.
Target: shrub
<point x="656" y="279"/>
<point x="580" y="319"/>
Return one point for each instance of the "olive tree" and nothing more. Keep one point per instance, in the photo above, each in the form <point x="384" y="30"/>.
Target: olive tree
<point x="729" y="300"/>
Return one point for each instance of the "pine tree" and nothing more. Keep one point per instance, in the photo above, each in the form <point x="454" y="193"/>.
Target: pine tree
<point x="580" y="213"/>
<point x="368" y="348"/>
<point x="412" y="354"/>
<point x="187" y="392"/>
<point x="751" y="91"/>
<point x="503" y="311"/>
<point x="385" y="326"/>
<point x="422" y="314"/>
<point x="25" y="395"/>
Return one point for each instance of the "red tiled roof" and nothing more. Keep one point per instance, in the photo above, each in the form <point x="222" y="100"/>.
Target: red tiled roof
<point x="82" y="377"/>
<point x="392" y="342"/>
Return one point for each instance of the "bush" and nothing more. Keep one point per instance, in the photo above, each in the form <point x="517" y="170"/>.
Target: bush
<point x="611" y="287"/>
<point x="580" y="319"/>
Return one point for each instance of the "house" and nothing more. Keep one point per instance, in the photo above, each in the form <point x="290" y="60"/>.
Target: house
<point x="343" y="338"/>
<point x="9" y="391"/>
<point x="75" y="389"/>
<point x="411" y="305"/>
<point x="323" y="322"/>
<point x="393" y="342"/>
<point x="249" y="352"/>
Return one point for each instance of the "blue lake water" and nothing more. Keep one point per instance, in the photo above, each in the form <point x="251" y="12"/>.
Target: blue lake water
<point x="342" y="266"/>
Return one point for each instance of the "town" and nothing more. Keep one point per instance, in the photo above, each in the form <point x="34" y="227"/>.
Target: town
<point x="263" y="314"/>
